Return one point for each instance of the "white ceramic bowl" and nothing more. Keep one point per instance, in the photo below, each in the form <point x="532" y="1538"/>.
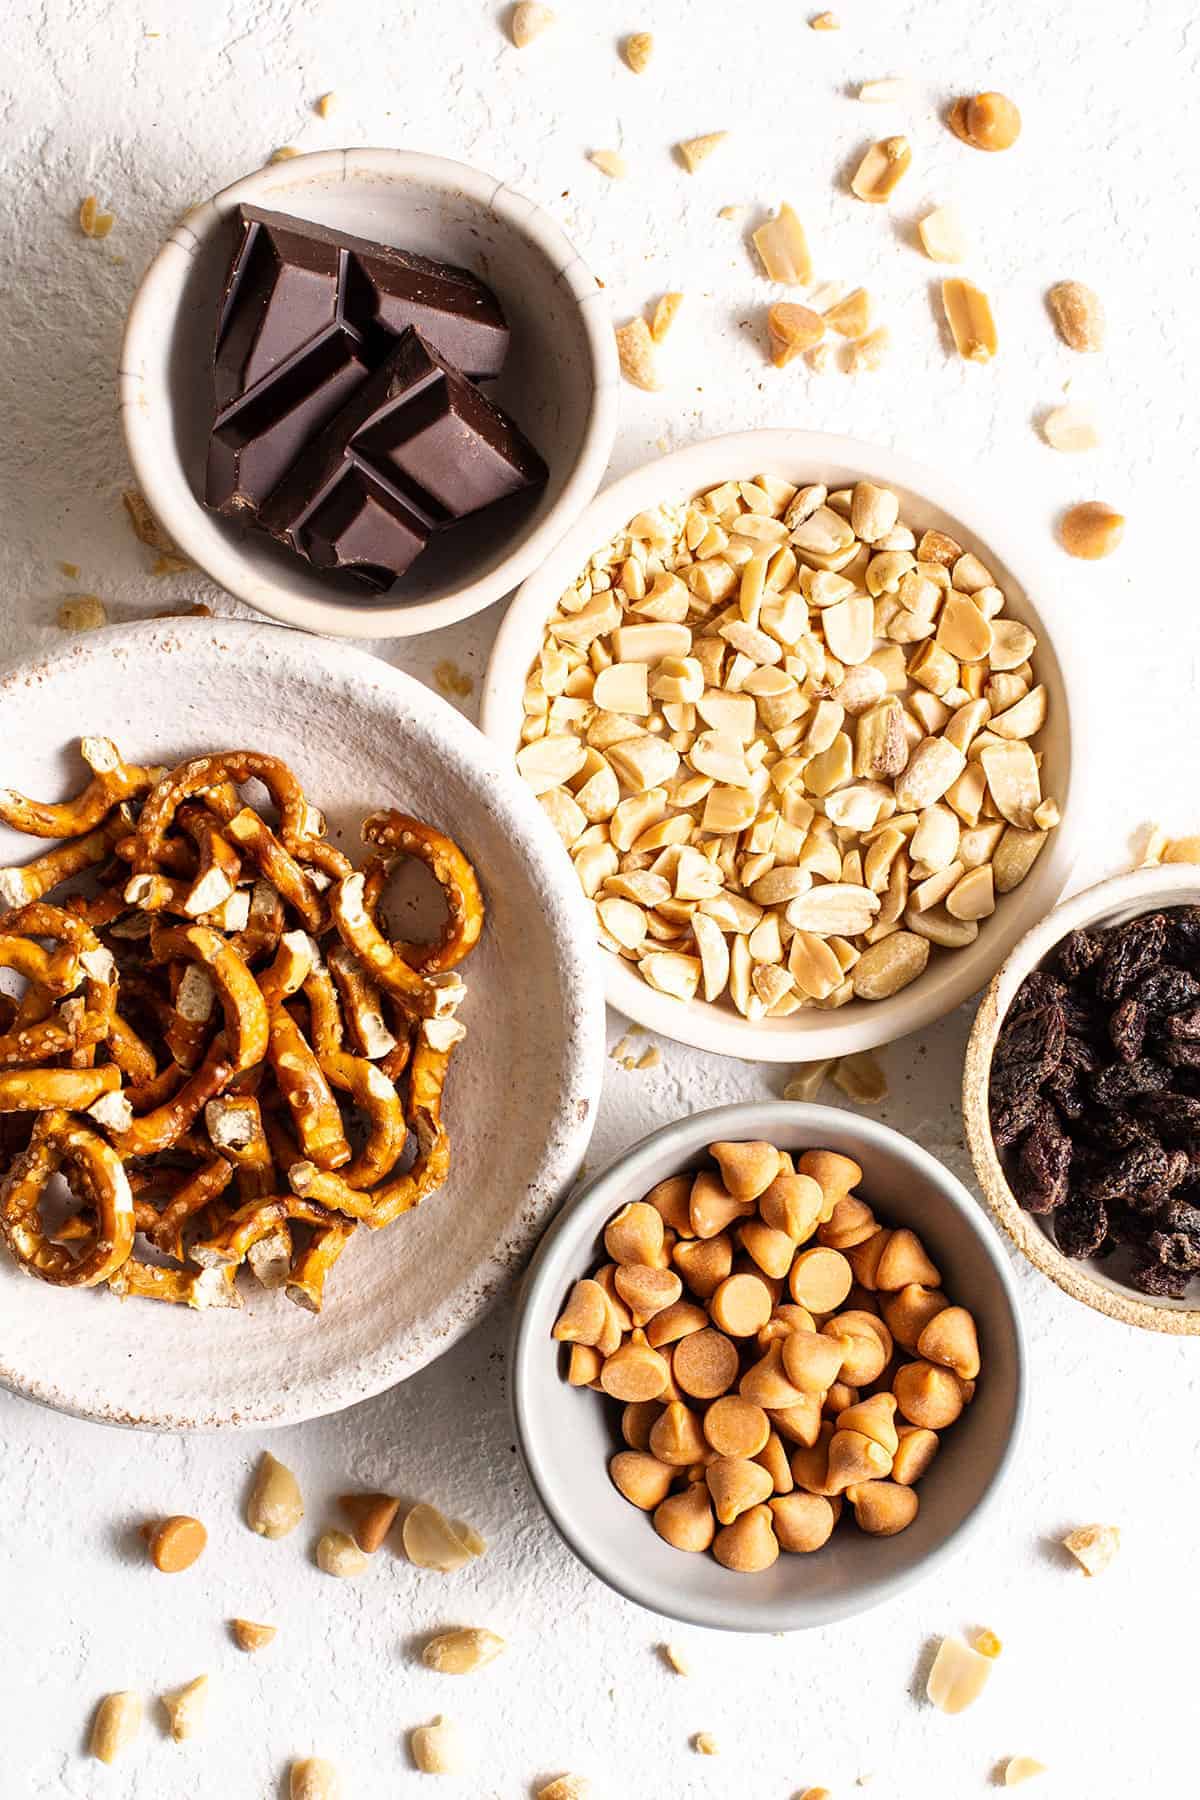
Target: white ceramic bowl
<point x="1094" y="1282"/>
<point x="559" y="381"/>
<point x="568" y="1434"/>
<point x="523" y="1090"/>
<point x="928" y="500"/>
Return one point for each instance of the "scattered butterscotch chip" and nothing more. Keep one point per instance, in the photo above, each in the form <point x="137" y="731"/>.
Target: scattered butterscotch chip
<point x="1078" y="314"/>
<point x="249" y="1636"/>
<point x="284" y="153"/>
<point x="372" y="1517"/>
<point x="610" y="163"/>
<point x="185" y="1708"/>
<point x="635" y="352"/>
<point x="958" y="1676"/>
<point x="1091" y="530"/>
<point x="528" y="21"/>
<point x="881" y="93"/>
<point x="825" y="21"/>
<point x="175" y="1543"/>
<point x="664" y="316"/>
<point x="1070" y="429"/>
<point x="792" y="329"/>
<point x="783" y="247"/>
<point x="638" y="49"/>
<point x="92" y="222"/>
<point x="675" y="1659"/>
<point x="326" y="106"/>
<point x="705" y="1744"/>
<point x="866" y="354"/>
<point x="861" y="1077"/>
<point x="81" y="612"/>
<point x="969" y="316"/>
<point x="881" y="170"/>
<point x="696" y="150"/>
<point x="70" y="570"/>
<point x="987" y="1643"/>
<point x="850" y="317"/>
<point x="1093" y="1546"/>
<point x="942" y="237"/>
<point x="987" y="121"/>
<point x="1022" y="1768"/>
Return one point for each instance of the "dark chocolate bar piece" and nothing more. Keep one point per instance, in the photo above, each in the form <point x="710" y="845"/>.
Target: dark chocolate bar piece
<point x="290" y="280"/>
<point x="417" y="447"/>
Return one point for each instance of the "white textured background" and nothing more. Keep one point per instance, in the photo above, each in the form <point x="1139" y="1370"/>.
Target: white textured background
<point x="155" y="105"/>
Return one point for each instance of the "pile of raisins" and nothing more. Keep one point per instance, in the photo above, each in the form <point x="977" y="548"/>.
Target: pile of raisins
<point x="1095" y="1096"/>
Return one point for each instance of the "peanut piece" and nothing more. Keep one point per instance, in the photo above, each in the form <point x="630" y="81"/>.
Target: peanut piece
<point x="1078" y="315"/>
<point x="275" y="1506"/>
<point x="969" y="316"/>
<point x="1091" y="530"/>
<point x="312" y="1778"/>
<point x="881" y="170"/>
<point x="528" y="21"/>
<point x="117" y="1722"/>
<point x="638" y="49"/>
<point x="1093" y="1546"/>
<point x="436" y="1749"/>
<point x="462" y="1652"/>
<point x="958" y="1676"/>
<point x="783" y="247"/>
<point x="185" y="1708"/>
<point x="249" y="1636"/>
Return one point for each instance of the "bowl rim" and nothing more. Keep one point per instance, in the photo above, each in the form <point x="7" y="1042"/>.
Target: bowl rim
<point x="607" y="1190"/>
<point x="496" y="1270"/>
<point x="184" y="518"/>
<point x="708" y="1026"/>
<point x="1077" y="1279"/>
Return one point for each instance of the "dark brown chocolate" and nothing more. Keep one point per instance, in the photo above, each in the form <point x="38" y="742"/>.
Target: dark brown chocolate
<point x="416" y="448"/>
<point x="306" y="314"/>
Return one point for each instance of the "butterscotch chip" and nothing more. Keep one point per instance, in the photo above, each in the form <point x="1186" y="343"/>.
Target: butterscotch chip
<point x="705" y="1364"/>
<point x="635" y="1371"/>
<point x="1091" y="530"/>
<point x="704" y="1264"/>
<point x="928" y="1395"/>
<point x="747" y="1169"/>
<point x="820" y="1279"/>
<point x="175" y="1543"/>
<point x="249" y="1636"/>
<point x="741" y="1305"/>
<point x="990" y="121"/>
<point x="641" y="1478"/>
<point x="736" y="1427"/>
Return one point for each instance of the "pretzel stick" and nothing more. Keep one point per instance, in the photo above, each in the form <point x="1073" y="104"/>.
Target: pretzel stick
<point x="210" y="1180"/>
<point x="177" y="856"/>
<point x="264" y="924"/>
<point x="56" y="1140"/>
<point x="250" y="1224"/>
<point x="306" y="1093"/>
<point x="286" y="976"/>
<point x="361" y="1005"/>
<point x="57" y="972"/>
<point x="245" y="1011"/>
<point x="369" y="1089"/>
<point x="218" y="865"/>
<point x="187" y="1028"/>
<point x="113" y="780"/>
<point x="74" y="1090"/>
<point x="57" y="1036"/>
<point x="163" y="1126"/>
<point x="306" y="1283"/>
<point x="198" y="1288"/>
<point x="263" y="848"/>
<point x="33" y="880"/>
<point x="148" y="1096"/>
<point x="398" y="835"/>
<point x="359" y="932"/>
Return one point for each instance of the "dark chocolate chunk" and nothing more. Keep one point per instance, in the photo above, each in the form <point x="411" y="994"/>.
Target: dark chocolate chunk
<point x="417" y="447"/>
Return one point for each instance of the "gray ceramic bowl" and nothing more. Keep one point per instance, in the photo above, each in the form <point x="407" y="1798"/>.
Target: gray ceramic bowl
<point x="567" y="1434"/>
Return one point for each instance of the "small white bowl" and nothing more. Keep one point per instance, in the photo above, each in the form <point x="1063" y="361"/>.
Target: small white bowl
<point x="523" y="1089"/>
<point x="567" y="1434"/>
<point x="559" y="381"/>
<point x="1107" y="903"/>
<point x="929" y="500"/>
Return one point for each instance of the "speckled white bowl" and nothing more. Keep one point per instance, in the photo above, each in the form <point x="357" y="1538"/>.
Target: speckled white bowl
<point x="559" y="382"/>
<point x="930" y="500"/>
<point x="567" y="1434"/>
<point x="1093" y="1281"/>
<point x="523" y="1089"/>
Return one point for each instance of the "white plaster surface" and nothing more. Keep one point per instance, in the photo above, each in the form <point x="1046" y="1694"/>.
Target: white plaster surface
<point x="1097" y="1678"/>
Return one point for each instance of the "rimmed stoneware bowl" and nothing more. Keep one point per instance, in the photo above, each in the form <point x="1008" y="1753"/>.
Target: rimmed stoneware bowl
<point x="559" y="381"/>
<point x="931" y="500"/>
<point x="567" y="1434"/>
<point x="523" y="1089"/>
<point x="1108" y="903"/>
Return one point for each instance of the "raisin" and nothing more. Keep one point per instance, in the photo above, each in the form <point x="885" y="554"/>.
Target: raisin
<point x="1036" y="1035"/>
<point x="1009" y="1119"/>
<point x="1077" y="953"/>
<point x="1181" y="1215"/>
<point x="1176" y="1116"/>
<point x="1123" y="1082"/>
<point x="1108" y="1132"/>
<point x="1142" y="1177"/>
<point x="1127" y="1028"/>
<point x="1130" y="951"/>
<point x="1167" y="990"/>
<point x="1181" y="1055"/>
<point x="1184" y="1026"/>
<point x="1163" y="1283"/>
<point x="1065" y="1087"/>
<point x="1041" y="1179"/>
<point x="1176" y="1249"/>
<point x="1183" y="935"/>
<point x="1039" y="989"/>
<point x="1081" y="1226"/>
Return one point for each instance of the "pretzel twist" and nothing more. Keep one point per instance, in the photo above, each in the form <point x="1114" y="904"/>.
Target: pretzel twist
<point x="369" y="1089"/>
<point x="58" y="1140"/>
<point x="398" y="835"/>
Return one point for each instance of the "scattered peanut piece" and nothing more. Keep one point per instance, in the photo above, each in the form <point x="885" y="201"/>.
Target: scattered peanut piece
<point x="675" y="1659"/>
<point x="432" y="1541"/>
<point x="880" y="93"/>
<point x="731" y="212"/>
<point x="783" y="247"/>
<point x="567" y="1787"/>
<point x="792" y="329"/>
<point x="1022" y="1768"/>
<point x="942" y="236"/>
<point x="250" y="1637"/>
<point x="610" y="163"/>
<point x="453" y="680"/>
<point x="146" y="527"/>
<point x="705" y="1744"/>
<point x="81" y="612"/>
<point x="635" y="352"/>
<point x="638" y="49"/>
<point x="528" y="21"/>
<point x="987" y="121"/>
<point x="822" y="358"/>
<point x="808" y="1080"/>
<point x="312" y="1778"/>
<point x="1070" y="429"/>
<point x="861" y="1078"/>
<point x="92" y="222"/>
<point x="175" y="1543"/>
<point x="1091" y="530"/>
<point x="664" y="316"/>
<point x="437" y="1749"/>
<point x="1078" y="315"/>
<point x="867" y="354"/>
<point x="462" y="1652"/>
<point x="1181" y="850"/>
<point x="696" y="150"/>
<point x="881" y="170"/>
<point x="338" y="1554"/>
<point x="958" y="1676"/>
<point x="850" y="316"/>
<point x="825" y="21"/>
<point x="70" y="570"/>
<point x="117" y="1722"/>
<point x="284" y="153"/>
<point x="1093" y="1546"/>
<point x="651" y="1058"/>
<point x="326" y="106"/>
<point x="987" y="1643"/>
<point x="969" y="316"/>
<point x="275" y="1506"/>
<point x="185" y="1708"/>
